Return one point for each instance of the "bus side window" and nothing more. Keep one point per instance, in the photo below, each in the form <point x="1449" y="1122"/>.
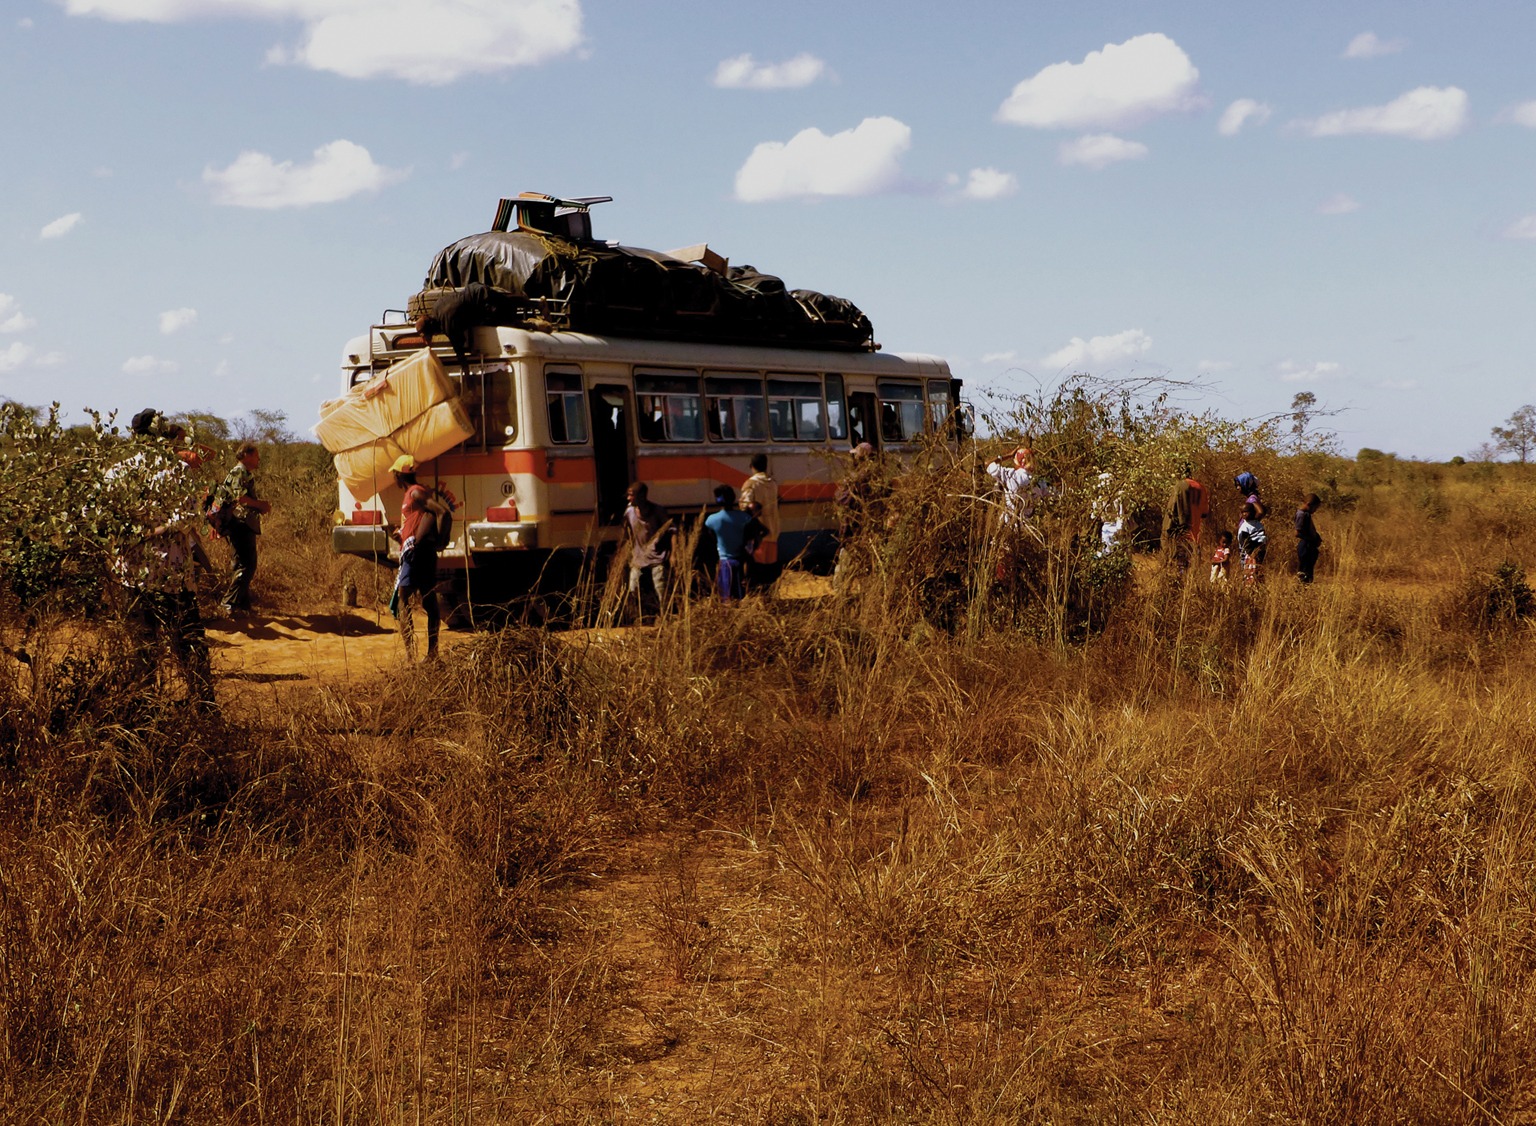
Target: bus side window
<point x="736" y="410"/>
<point x="567" y="407"/>
<point x="670" y="409"/>
<point x="837" y="408"/>
<point x="795" y="410"/>
<point x="901" y="411"/>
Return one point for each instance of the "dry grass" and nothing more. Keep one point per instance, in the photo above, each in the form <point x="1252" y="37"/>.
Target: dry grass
<point x="1241" y="856"/>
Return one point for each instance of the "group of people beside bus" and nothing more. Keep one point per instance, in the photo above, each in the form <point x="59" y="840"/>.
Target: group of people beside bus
<point x="744" y="531"/>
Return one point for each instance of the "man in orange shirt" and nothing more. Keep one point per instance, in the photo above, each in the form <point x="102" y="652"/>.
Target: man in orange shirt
<point x="1190" y="504"/>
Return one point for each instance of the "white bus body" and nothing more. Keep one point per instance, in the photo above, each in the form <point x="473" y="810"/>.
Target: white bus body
<point x="565" y="421"/>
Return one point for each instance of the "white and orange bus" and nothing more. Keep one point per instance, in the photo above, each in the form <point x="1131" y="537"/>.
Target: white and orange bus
<point x="564" y="421"/>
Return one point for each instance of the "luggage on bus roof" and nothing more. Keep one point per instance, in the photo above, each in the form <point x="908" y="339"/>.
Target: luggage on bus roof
<point x="598" y="287"/>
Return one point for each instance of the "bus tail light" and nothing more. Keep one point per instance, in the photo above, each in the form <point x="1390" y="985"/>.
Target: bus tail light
<point x="502" y="514"/>
<point x="365" y="516"/>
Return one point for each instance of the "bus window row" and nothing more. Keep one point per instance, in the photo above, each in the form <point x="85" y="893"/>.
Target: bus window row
<point x="733" y="407"/>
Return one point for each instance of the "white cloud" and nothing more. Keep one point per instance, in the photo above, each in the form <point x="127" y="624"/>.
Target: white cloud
<point x="1212" y="367"/>
<point x="1524" y="228"/>
<point x="1523" y="114"/>
<point x="1292" y="372"/>
<point x="1367" y="46"/>
<point x="1239" y="113"/>
<point x="744" y="73"/>
<point x="999" y="357"/>
<point x="25" y="23"/>
<point x="457" y="161"/>
<point x="989" y="183"/>
<point x="339" y="170"/>
<point x="144" y="365"/>
<point x="1099" y="150"/>
<point x="864" y="160"/>
<point x="1428" y="113"/>
<point x="61" y="226"/>
<point x="430" y="42"/>
<point x="174" y="320"/>
<point x="15" y="356"/>
<point x="16" y="321"/>
<point x="1120" y="86"/>
<point x="1339" y="204"/>
<point x="1100" y="351"/>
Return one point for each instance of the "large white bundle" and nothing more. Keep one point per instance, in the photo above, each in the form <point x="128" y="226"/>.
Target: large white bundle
<point x="381" y="406"/>
<point x="435" y="432"/>
<point x="364" y="470"/>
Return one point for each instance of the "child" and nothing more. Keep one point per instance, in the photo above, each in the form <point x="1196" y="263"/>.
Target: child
<point x="1221" y="559"/>
<point x="1252" y="541"/>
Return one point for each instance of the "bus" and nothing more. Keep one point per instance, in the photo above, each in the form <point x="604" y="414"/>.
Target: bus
<point x="564" y="421"/>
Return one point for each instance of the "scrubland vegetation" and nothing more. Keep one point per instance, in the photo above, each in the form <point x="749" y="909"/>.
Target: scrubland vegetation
<point x="1102" y="844"/>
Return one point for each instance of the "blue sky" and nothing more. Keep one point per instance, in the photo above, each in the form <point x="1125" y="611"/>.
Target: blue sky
<point x="204" y="199"/>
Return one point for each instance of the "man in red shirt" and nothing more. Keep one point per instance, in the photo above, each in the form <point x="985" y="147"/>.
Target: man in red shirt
<point x="1190" y="504"/>
<point x="416" y="581"/>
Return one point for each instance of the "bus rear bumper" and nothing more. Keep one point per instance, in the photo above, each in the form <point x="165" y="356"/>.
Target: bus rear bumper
<point x="487" y="536"/>
<point x="370" y="541"/>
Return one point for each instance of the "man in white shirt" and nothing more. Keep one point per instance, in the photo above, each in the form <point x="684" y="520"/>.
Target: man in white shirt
<point x="1020" y="493"/>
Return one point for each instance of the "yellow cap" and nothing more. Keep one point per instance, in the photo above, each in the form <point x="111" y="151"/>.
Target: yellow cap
<point x="405" y="463"/>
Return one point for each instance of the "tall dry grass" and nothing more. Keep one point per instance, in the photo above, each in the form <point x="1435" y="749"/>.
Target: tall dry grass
<point x="1226" y="855"/>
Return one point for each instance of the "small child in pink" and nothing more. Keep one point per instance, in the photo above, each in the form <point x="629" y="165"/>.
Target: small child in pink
<point x="1221" y="559"/>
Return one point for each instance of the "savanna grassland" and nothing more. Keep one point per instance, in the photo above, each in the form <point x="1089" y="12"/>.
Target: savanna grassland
<point x="1102" y="843"/>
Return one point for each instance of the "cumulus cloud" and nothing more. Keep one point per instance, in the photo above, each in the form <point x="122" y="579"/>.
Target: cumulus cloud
<point x="1099" y="150"/>
<point x="1428" y="113"/>
<point x="999" y="357"/>
<point x="61" y="226"/>
<point x="1292" y="372"/>
<point x="1367" y="46"/>
<point x="1522" y="114"/>
<point x="745" y="73"/>
<point x="338" y="171"/>
<point x="864" y="160"/>
<point x="174" y="320"/>
<point x="1339" y="204"/>
<point x="146" y="365"/>
<point x="1122" y="85"/>
<point x="429" y="42"/>
<point x="989" y="183"/>
<point x="12" y="319"/>
<point x="1524" y="228"/>
<point x="14" y="356"/>
<point x="1239" y="113"/>
<point x="1100" y="351"/>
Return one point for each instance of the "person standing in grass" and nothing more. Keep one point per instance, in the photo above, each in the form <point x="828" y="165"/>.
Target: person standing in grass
<point x="649" y="530"/>
<point x="416" y="581"/>
<point x="1185" y="517"/>
<point x="763" y="490"/>
<point x="1252" y="541"/>
<point x="238" y="493"/>
<point x="1221" y="558"/>
<point x="1308" y="542"/>
<point x="730" y="527"/>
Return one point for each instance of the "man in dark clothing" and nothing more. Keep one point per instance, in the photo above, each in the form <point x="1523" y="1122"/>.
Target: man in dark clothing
<point x="238" y="493"/>
<point x="457" y="314"/>
<point x="1308" y="542"/>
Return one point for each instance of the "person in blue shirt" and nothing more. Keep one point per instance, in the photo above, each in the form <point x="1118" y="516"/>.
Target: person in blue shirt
<point x="734" y="542"/>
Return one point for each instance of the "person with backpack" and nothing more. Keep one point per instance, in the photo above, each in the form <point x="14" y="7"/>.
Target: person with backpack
<point x="241" y="513"/>
<point x="426" y="522"/>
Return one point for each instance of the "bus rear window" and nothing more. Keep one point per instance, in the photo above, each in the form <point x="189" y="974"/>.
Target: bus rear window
<point x="736" y="409"/>
<point x="669" y="408"/>
<point x="901" y="411"/>
<point x="795" y="410"/>
<point x="567" y="406"/>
